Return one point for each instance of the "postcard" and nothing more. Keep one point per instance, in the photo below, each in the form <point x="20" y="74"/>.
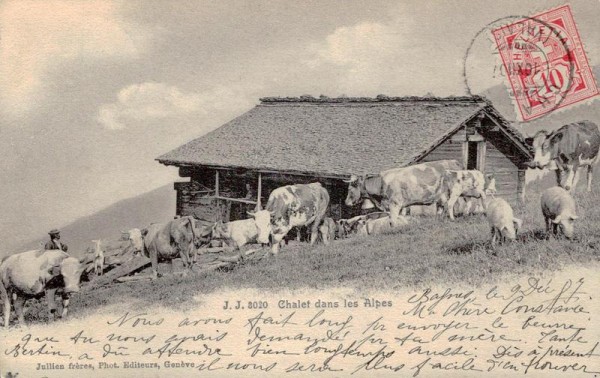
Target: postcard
<point x="317" y="188"/>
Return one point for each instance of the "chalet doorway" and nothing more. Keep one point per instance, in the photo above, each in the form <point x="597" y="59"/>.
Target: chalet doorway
<point x="474" y="157"/>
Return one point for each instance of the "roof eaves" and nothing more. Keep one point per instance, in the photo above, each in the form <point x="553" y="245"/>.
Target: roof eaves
<point x="179" y="163"/>
<point x="442" y="139"/>
<point x="514" y="134"/>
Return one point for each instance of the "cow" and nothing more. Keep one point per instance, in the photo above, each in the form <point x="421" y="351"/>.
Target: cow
<point x="567" y="149"/>
<point x="98" y="258"/>
<point x="296" y="205"/>
<point x="241" y="232"/>
<point x="383" y="225"/>
<point x="465" y="183"/>
<point x="342" y="229"/>
<point x="398" y="188"/>
<point x="502" y="222"/>
<point x="558" y="208"/>
<point x="136" y="239"/>
<point x="179" y="237"/>
<point x="36" y="273"/>
<point x="361" y="227"/>
<point x="327" y="230"/>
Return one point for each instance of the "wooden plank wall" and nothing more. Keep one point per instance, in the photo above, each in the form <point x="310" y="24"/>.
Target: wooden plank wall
<point x="450" y="149"/>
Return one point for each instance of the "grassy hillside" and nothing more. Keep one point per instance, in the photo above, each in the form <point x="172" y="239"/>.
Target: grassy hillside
<point x="156" y="205"/>
<point x="430" y="251"/>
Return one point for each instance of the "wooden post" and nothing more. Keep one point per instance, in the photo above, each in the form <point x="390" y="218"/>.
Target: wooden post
<point x="217" y="183"/>
<point x="521" y="186"/>
<point x="259" y="192"/>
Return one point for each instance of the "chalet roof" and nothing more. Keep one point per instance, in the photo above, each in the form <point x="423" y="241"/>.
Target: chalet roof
<point x="334" y="136"/>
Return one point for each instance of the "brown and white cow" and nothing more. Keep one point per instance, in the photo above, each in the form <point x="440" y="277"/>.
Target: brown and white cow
<point x="294" y="206"/>
<point x="565" y="150"/>
<point x="34" y="273"/>
<point x="466" y="183"/>
<point x="395" y="189"/>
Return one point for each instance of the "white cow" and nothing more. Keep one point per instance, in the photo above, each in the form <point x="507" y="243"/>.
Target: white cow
<point x="241" y="232"/>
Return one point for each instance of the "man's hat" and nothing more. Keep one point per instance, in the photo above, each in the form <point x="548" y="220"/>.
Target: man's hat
<point x="54" y="232"/>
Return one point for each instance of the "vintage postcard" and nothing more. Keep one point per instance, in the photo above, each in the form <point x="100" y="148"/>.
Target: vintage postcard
<point x="299" y="188"/>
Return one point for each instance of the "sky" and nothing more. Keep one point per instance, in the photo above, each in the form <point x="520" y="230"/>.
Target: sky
<point x="91" y="92"/>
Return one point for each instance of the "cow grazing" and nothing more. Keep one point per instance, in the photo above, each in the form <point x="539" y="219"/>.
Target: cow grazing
<point x="565" y="150"/>
<point x="98" y="258"/>
<point x="327" y="230"/>
<point x="465" y="183"/>
<point x="395" y="189"/>
<point x="504" y="226"/>
<point x="34" y="273"/>
<point x="296" y="205"/>
<point x="180" y="237"/>
<point x="241" y="232"/>
<point x="558" y="208"/>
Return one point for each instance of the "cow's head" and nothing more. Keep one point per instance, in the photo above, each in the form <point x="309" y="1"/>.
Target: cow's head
<point x="135" y="238"/>
<point x="262" y="219"/>
<point x="542" y="143"/>
<point x="71" y="270"/>
<point x="355" y="188"/>
<point x="490" y="184"/>
<point x="566" y="224"/>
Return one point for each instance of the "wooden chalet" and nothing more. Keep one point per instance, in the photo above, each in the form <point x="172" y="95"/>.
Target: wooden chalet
<point x="283" y="141"/>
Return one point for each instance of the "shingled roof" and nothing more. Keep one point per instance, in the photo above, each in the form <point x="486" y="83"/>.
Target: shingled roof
<point x="333" y="136"/>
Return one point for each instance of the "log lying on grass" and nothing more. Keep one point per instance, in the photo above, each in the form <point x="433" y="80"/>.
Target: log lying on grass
<point x="125" y="269"/>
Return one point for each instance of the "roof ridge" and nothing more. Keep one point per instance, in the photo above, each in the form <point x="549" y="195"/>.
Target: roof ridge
<point x="378" y="99"/>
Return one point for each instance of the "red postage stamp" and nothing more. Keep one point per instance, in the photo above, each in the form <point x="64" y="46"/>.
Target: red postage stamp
<point x="545" y="62"/>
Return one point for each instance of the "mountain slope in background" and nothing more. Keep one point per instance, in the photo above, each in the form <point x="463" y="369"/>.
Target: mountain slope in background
<point x="499" y="96"/>
<point x="155" y="206"/>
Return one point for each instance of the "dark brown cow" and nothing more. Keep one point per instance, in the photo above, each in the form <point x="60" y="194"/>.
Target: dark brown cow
<point x="565" y="150"/>
<point x="180" y="237"/>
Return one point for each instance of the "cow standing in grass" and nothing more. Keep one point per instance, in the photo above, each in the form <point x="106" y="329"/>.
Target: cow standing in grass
<point x="296" y="205"/>
<point x="465" y="183"/>
<point x="566" y="150"/>
<point x="36" y="273"/>
<point x="180" y="237"/>
<point x="396" y="189"/>
<point x="241" y="232"/>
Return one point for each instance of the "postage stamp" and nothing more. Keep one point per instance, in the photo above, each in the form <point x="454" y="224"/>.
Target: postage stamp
<point x="545" y="62"/>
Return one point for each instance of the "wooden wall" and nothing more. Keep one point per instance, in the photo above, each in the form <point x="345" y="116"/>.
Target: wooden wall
<point x="193" y="198"/>
<point x="501" y="157"/>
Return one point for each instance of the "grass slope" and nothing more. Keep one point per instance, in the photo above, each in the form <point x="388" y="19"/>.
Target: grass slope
<point x="430" y="251"/>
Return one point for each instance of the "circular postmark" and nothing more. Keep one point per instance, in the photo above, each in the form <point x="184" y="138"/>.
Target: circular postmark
<point x="528" y="48"/>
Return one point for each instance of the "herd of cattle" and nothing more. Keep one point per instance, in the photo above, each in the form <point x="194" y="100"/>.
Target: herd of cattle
<point x="440" y="183"/>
